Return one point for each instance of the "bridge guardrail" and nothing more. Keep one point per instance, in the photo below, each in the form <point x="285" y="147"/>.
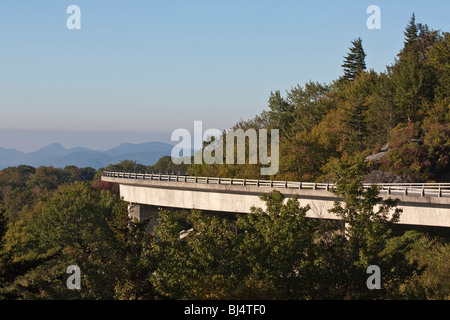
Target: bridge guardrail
<point x="411" y="189"/>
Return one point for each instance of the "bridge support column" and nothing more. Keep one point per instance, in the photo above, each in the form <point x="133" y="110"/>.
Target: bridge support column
<point x="144" y="212"/>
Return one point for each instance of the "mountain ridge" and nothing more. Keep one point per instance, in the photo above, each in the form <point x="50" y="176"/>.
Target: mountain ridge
<point x="56" y="155"/>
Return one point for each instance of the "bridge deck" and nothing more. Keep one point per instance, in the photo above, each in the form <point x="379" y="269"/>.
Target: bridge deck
<point x="422" y="204"/>
<point x="407" y="189"/>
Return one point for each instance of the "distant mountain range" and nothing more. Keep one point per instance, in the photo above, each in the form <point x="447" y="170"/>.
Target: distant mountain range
<point x="57" y="156"/>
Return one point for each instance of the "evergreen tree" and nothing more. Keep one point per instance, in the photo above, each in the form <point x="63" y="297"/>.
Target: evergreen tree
<point x="411" y="32"/>
<point x="355" y="105"/>
<point x="280" y="113"/>
<point x="409" y="82"/>
<point x="382" y="115"/>
<point x="354" y="62"/>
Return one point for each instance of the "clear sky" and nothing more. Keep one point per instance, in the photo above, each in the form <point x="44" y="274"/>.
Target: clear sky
<point x="155" y="66"/>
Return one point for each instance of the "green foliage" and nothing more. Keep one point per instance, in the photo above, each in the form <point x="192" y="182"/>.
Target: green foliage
<point x="265" y="254"/>
<point x="76" y="224"/>
<point x="367" y="222"/>
<point x="73" y="173"/>
<point x="202" y="265"/>
<point x="382" y="115"/>
<point x="355" y="106"/>
<point x="409" y="82"/>
<point x="279" y="253"/>
<point x="280" y="113"/>
<point x="411" y="32"/>
<point x="166" y="164"/>
<point x="127" y="166"/>
<point x="310" y="104"/>
<point x="354" y="62"/>
<point x="45" y="179"/>
<point x="432" y="256"/>
<point x="14" y="178"/>
<point x="279" y="246"/>
<point x="274" y="252"/>
<point x="4" y="259"/>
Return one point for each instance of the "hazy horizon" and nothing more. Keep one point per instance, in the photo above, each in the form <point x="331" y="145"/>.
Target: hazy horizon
<point x="32" y="140"/>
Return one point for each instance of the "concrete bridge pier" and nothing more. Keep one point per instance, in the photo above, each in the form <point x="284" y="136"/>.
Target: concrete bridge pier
<point x="143" y="212"/>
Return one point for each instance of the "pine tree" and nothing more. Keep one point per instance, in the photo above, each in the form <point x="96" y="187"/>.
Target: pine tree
<point x="419" y="39"/>
<point x="355" y="103"/>
<point x="354" y="62"/>
<point x="411" y="33"/>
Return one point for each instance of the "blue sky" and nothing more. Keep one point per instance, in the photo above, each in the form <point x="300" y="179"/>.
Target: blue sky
<point x="155" y="66"/>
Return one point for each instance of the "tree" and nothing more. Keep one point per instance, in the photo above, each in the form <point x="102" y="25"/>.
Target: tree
<point x="278" y="244"/>
<point x="439" y="63"/>
<point x="311" y="103"/>
<point x="127" y="166"/>
<point x="79" y="226"/>
<point x="418" y="39"/>
<point x="409" y="81"/>
<point x="135" y="259"/>
<point x="45" y="179"/>
<point x="382" y="114"/>
<point x="280" y="113"/>
<point x="165" y="163"/>
<point x="411" y="32"/>
<point x="355" y="104"/>
<point x="415" y="77"/>
<point x="303" y="155"/>
<point x="354" y="62"/>
<point x="203" y="264"/>
<point x="4" y="258"/>
<point x="14" y="178"/>
<point x="73" y="173"/>
<point x="432" y="255"/>
<point x="367" y="222"/>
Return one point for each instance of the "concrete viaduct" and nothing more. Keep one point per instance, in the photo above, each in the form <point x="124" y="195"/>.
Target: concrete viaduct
<point x="422" y="204"/>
